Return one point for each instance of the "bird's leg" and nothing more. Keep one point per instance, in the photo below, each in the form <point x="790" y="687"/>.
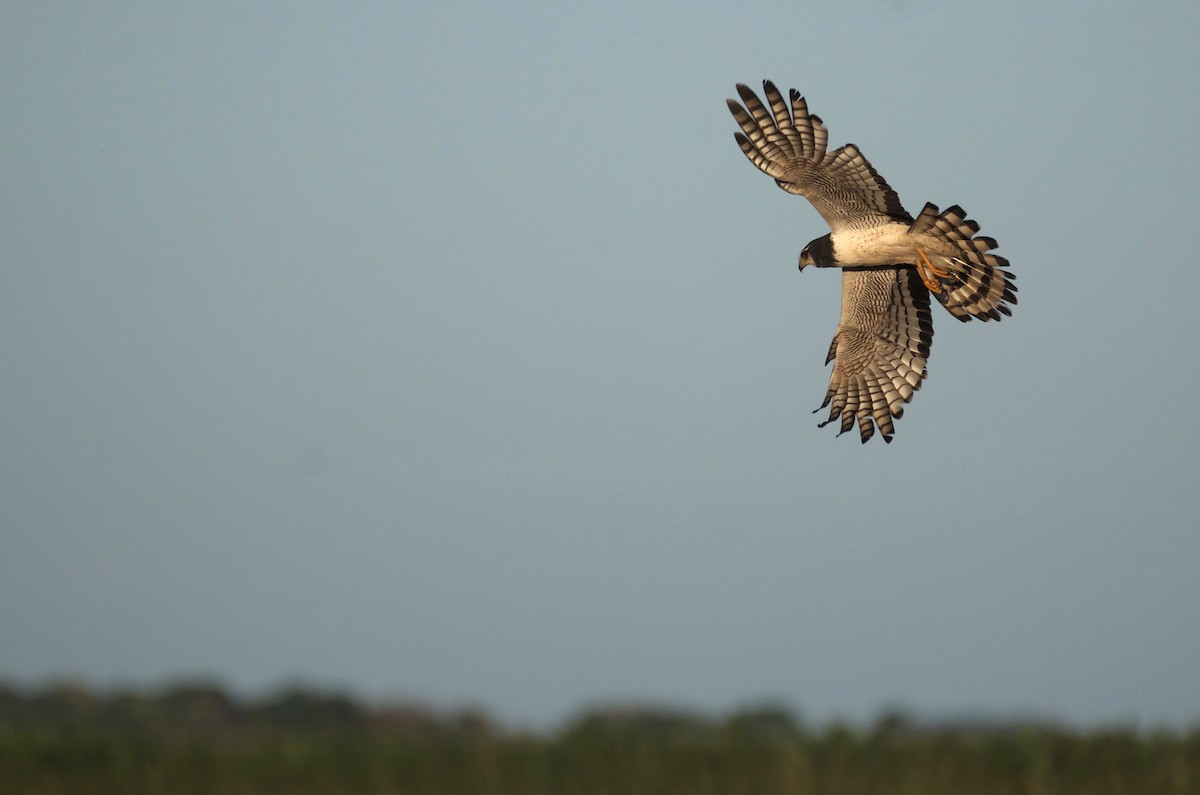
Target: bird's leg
<point x="928" y="273"/>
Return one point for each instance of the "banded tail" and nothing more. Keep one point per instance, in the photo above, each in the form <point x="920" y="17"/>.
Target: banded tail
<point x="978" y="286"/>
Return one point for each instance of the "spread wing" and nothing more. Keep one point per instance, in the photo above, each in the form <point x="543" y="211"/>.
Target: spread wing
<point x="789" y="144"/>
<point x="880" y="348"/>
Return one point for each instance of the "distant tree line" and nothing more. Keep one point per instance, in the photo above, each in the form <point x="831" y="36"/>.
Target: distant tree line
<point x="196" y="737"/>
<point x="205" y="709"/>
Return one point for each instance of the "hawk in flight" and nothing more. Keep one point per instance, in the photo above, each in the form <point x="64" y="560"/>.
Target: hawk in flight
<point x="890" y="261"/>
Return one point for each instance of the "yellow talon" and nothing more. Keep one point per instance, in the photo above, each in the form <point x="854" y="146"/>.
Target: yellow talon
<point x="928" y="273"/>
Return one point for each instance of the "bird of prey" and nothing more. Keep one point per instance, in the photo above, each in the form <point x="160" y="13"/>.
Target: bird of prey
<point x="890" y="261"/>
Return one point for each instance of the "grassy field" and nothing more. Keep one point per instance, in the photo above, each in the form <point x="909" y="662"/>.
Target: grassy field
<point x="300" y="744"/>
<point x="1033" y="762"/>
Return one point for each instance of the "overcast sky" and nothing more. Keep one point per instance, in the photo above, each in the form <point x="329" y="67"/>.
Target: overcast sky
<point x="452" y="351"/>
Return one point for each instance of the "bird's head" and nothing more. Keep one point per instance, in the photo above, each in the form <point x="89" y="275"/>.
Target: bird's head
<point x="819" y="253"/>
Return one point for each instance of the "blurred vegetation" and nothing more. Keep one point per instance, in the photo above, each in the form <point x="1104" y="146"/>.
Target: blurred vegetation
<point x="193" y="737"/>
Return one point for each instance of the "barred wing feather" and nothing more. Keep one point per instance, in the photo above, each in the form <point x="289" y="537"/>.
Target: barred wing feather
<point x="880" y="348"/>
<point x="789" y="144"/>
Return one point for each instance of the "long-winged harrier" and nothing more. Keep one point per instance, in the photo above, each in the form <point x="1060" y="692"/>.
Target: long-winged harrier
<point x="890" y="261"/>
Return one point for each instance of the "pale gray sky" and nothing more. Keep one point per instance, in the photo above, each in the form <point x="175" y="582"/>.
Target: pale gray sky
<point x="454" y="351"/>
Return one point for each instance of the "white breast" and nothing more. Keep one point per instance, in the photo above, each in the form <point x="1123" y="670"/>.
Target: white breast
<point x="887" y="244"/>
